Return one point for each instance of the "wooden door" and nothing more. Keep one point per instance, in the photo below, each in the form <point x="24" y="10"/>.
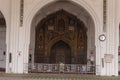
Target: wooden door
<point x="60" y="53"/>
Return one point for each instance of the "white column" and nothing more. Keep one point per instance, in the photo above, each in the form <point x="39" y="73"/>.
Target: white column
<point x="110" y="37"/>
<point x="14" y="37"/>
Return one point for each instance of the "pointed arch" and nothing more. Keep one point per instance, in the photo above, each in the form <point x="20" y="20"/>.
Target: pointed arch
<point x="35" y="10"/>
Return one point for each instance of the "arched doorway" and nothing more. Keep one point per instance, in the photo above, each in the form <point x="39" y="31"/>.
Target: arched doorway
<point x="2" y="43"/>
<point x="60" y="53"/>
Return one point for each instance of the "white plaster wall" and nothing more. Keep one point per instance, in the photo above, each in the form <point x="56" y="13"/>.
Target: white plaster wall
<point x="112" y="37"/>
<point x="117" y="27"/>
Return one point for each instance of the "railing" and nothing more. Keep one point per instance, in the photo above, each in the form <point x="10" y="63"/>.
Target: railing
<point x="62" y="68"/>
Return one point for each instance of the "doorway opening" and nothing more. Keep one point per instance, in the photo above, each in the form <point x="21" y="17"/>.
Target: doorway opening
<point x="2" y="43"/>
<point x="60" y="53"/>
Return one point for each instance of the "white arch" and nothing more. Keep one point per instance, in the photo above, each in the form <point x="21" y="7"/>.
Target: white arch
<point x="28" y="20"/>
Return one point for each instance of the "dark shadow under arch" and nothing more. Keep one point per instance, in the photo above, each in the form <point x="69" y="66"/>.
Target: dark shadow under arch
<point x="2" y="43"/>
